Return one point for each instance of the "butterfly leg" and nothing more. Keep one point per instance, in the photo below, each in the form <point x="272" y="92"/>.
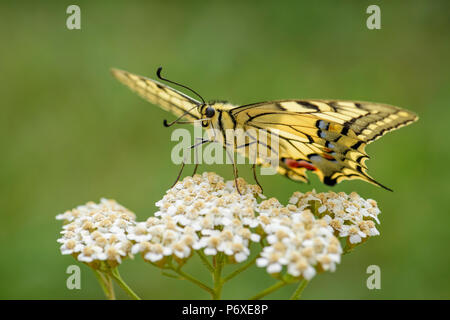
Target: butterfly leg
<point x="194" y="146"/>
<point x="235" y="171"/>
<point x="195" y="161"/>
<point x="256" y="179"/>
<point x="203" y="141"/>
<point x="179" y="175"/>
<point x="254" y="164"/>
<point x="195" y="169"/>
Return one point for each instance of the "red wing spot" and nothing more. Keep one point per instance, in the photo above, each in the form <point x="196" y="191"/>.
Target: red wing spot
<point x="291" y="163"/>
<point x="327" y="156"/>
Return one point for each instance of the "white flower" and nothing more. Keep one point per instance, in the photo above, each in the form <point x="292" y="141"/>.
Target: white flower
<point x="97" y="232"/>
<point x="139" y="232"/>
<point x="348" y="214"/>
<point x="155" y="253"/>
<point x="160" y="237"/>
<point x="297" y="241"/>
<point x="91" y="253"/>
<point x="115" y="252"/>
<point x="205" y="213"/>
<point x="70" y="246"/>
<point x="202" y="213"/>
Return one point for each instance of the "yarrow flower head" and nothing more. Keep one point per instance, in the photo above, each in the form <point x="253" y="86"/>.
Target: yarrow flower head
<point x="200" y="213"/>
<point x="97" y="232"/>
<point x="206" y="215"/>
<point x="351" y="216"/>
<point x="297" y="240"/>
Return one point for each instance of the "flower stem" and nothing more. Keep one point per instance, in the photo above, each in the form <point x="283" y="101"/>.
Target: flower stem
<point x="111" y="287"/>
<point x="105" y="282"/>
<point x="217" y="277"/>
<point x="191" y="279"/>
<point x="116" y="276"/>
<point x="241" y="269"/>
<point x="269" y="290"/>
<point x="298" y="292"/>
<point x="205" y="261"/>
<point x="348" y="249"/>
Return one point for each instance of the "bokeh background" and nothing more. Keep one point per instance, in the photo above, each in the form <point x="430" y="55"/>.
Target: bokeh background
<point x="70" y="133"/>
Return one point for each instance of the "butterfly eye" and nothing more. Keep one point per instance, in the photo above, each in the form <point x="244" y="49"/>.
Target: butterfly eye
<point x="210" y="112"/>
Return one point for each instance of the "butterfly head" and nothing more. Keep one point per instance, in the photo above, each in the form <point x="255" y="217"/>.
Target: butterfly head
<point x="207" y="113"/>
<point x="210" y="112"/>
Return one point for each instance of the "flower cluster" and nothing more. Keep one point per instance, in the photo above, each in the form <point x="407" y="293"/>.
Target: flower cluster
<point x="200" y="213"/>
<point x="297" y="240"/>
<point x="205" y="213"/>
<point x="351" y="216"/>
<point x="97" y="232"/>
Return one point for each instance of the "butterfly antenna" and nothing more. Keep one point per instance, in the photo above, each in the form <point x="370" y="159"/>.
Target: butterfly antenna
<point x="166" y="124"/>
<point x="158" y="73"/>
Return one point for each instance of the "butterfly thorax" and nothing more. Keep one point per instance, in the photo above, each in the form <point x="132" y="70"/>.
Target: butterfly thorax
<point x="223" y="128"/>
<point x="216" y="115"/>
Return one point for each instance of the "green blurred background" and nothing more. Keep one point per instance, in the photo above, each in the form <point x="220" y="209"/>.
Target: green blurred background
<point x="71" y="133"/>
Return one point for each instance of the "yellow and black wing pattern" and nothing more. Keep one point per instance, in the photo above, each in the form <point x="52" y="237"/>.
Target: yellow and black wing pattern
<point x="327" y="137"/>
<point x="159" y="94"/>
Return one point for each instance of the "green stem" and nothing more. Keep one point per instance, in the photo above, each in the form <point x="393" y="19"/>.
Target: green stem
<point x="217" y="277"/>
<point x="173" y="276"/>
<point x="348" y="249"/>
<point x="191" y="279"/>
<point x="298" y="292"/>
<point x="111" y="287"/>
<point x="269" y="290"/>
<point x="105" y="282"/>
<point x="205" y="261"/>
<point x="116" y="276"/>
<point x="241" y="269"/>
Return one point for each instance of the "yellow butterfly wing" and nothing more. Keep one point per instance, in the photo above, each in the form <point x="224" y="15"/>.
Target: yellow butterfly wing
<point x="159" y="94"/>
<point x="326" y="136"/>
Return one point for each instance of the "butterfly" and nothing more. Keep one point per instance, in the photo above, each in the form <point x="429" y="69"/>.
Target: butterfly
<point x="326" y="137"/>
